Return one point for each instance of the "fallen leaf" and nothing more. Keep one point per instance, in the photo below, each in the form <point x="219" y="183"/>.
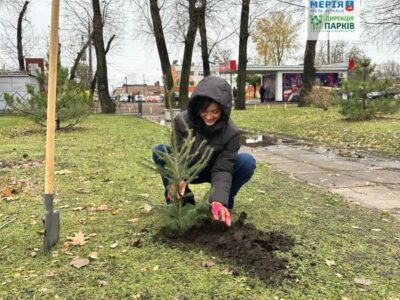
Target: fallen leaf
<point x="77" y="208"/>
<point x="144" y="195"/>
<point x="49" y="273"/>
<point x="82" y="191"/>
<point x="207" y="264"/>
<point x="376" y="229"/>
<point x="144" y="270"/>
<point x="62" y="172"/>
<point x="102" y="283"/>
<point x="115" y="245"/>
<point x="93" y="255"/>
<point x="33" y="253"/>
<point x="227" y="272"/>
<point x="339" y="275"/>
<point x="79" y="262"/>
<point x="93" y="234"/>
<point x="362" y="281"/>
<point x="133" y="220"/>
<point x="65" y="247"/>
<point x="147" y="207"/>
<point x="251" y="200"/>
<point x="78" y="239"/>
<point x="330" y="263"/>
<point x="116" y="211"/>
<point x="136" y="243"/>
<point x="102" y="207"/>
<point x="156" y="268"/>
<point x="261" y="192"/>
<point x="44" y="290"/>
<point x="355" y="227"/>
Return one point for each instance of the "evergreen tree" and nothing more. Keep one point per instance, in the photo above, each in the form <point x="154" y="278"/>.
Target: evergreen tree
<point x="72" y="102"/>
<point x="184" y="163"/>
<point x="362" y="82"/>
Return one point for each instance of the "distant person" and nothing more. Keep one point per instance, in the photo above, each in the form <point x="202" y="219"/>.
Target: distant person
<point x="234" y="93"/>
<point x="262" y="93"/>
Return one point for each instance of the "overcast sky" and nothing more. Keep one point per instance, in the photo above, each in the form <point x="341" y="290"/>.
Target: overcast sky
<point x="137" y="59"/>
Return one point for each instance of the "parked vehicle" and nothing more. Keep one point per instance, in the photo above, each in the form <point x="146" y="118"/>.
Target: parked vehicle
<point x="140" y="98"/>
<point x="125" y="98"/>
<point x="153" y="98"/>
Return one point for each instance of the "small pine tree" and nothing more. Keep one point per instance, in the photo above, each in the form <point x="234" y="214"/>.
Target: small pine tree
<point x="182" y="163"/>
<point x="72" y="101"/>
<point x="361" y="82"/>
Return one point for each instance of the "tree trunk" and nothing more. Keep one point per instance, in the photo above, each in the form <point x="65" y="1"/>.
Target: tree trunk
<point x="163" y="54"/>
<point x="107" y="105"/>
<point x="205" y="55"/>
<point x="19" y="37"/>
<point x="240" y="102"/>
<point x="309" y="71"/>
<point x="77" y="60"/>
<point x="187" y="54"/>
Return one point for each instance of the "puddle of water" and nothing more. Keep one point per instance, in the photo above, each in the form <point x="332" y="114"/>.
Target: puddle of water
<point x="262" y="140"/>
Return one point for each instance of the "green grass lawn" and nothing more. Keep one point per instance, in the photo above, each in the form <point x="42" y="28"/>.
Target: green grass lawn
<point x="324" y="127"/>
<point x="101" y="190"/>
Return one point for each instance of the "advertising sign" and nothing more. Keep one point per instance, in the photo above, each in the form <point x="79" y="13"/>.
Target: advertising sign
<point x="292" y="83"/>
<point x="333" y="19"/>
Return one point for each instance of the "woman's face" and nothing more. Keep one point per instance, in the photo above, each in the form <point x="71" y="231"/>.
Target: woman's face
<point x="211" y="114"/>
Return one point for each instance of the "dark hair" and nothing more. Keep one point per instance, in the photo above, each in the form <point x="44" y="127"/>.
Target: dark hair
<point x="202" y="104"/>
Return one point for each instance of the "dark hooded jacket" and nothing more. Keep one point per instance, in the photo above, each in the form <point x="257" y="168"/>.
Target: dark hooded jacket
<point x="223" y="136"/>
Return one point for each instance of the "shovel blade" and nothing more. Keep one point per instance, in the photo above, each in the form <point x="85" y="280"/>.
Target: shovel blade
<point x="51" y="222"/>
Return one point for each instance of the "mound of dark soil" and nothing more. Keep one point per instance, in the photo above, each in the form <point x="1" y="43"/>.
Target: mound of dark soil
<point x="242" y="246"/>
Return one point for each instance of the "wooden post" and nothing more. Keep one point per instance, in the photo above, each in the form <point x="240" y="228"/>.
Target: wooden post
<point x="51" y="219"/>
<point x="51" y="98"/>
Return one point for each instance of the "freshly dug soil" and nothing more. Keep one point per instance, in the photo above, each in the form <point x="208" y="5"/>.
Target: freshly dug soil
<point x="242" y="246"/>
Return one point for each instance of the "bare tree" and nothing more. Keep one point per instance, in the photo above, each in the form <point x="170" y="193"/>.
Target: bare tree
<point x="194" y="12"/>
<point x="158" y="32"/>
<point x="205" y="55"/>
<point x="389" y="69"/>
<point x="78" y="59"/>
<point x="107" y="105"/>
<point x="382" y="21"/>
<point x="19" y="37"/>
<point x="240" y="102"/>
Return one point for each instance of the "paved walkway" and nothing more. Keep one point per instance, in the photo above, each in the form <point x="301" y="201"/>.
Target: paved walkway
<point x="370" y="181"/>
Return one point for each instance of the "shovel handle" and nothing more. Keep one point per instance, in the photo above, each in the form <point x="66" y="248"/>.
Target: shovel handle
<point x="51" y="97"/>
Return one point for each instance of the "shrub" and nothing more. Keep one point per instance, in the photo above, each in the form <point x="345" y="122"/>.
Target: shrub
<point x="319" y="97"/>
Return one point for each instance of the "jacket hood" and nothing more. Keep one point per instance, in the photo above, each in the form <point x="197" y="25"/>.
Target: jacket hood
<point x="211" y="88"/>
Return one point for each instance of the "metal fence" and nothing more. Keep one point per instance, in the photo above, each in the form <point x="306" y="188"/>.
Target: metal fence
<point x="4" y="108"/>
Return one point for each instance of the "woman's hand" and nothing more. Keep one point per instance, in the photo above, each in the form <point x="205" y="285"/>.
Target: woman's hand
<point x="179" y="192"/>
<point x="221" y="213"/>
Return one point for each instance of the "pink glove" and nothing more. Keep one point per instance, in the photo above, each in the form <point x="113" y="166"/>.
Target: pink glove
<point x="220" y="212"/>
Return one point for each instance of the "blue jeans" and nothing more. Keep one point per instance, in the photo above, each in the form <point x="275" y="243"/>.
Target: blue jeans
<point x="242" y="172"/>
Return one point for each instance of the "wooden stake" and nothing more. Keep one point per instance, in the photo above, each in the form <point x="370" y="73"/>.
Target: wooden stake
<point x="51" y="98"/>
<point x="285" y="105"/>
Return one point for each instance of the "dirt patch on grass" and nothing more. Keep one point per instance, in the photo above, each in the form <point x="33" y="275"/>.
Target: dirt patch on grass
<point x="22" y="164"/>
<point x="242" y="246"/>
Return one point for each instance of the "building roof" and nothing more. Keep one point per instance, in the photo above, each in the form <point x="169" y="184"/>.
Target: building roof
<point x="259" y="69"/>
